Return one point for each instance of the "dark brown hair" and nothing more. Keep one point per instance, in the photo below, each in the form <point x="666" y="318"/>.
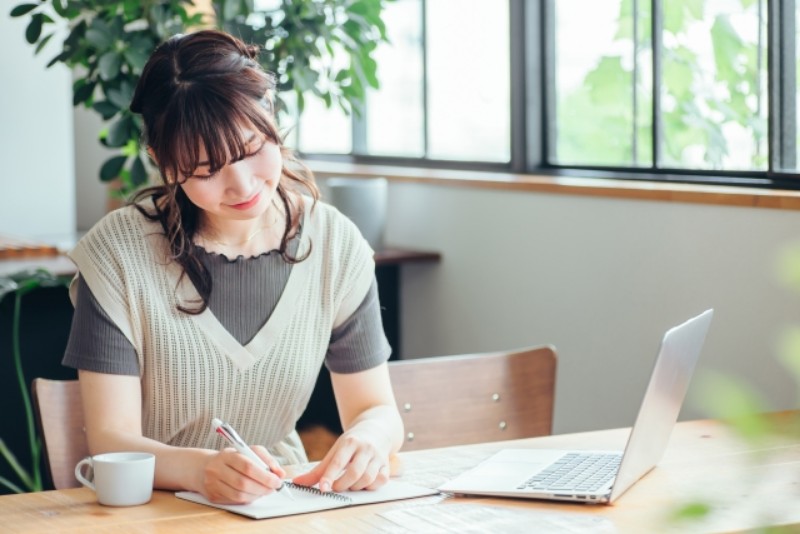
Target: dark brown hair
<point x="199" y="90"/>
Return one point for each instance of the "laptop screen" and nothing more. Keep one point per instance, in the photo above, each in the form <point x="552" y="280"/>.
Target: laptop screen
<point x="679" y="352"/>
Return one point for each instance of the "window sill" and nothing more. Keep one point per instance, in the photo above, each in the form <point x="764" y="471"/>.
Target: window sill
<point x="572" y="185"/>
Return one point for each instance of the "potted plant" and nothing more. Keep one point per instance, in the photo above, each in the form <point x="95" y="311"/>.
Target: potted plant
<point x="108" y="42"/>
<point x="28" y="478"/>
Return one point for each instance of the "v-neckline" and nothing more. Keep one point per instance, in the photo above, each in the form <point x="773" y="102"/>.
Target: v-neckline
<point x="244" y="356"/>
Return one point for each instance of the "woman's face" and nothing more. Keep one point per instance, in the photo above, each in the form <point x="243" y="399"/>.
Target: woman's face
<point x="240" y="190"/>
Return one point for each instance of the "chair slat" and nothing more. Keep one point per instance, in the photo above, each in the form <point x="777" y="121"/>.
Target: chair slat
<point x="458" y="400"/>
<point x="59" y="416"/>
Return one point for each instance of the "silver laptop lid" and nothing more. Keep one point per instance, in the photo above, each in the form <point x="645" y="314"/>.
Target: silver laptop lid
<point x="680" y="349"/>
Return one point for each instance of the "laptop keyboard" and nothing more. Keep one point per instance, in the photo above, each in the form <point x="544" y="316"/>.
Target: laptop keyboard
<point x="578" y="472"/>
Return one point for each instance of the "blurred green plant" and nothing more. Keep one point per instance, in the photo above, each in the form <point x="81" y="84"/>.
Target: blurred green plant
<point x="20" y="284"/>
<point x="318" y="47"/>
<point x="599" y="124"/>
<point x="744" y="409"/>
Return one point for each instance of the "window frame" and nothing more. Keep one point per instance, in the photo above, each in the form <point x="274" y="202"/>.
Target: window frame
<point x="532" y="119"/>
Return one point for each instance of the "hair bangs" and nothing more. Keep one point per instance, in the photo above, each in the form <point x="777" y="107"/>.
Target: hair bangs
<point x="223" y="131"/>
<point x="220" y="131"/>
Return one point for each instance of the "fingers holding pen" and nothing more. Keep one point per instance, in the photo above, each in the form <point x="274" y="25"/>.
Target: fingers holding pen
<point x="271" y="462"/>
<point x="230" y="477"/>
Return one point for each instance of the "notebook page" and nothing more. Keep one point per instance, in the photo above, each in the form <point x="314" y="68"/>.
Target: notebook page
<point x="276" y="504"/>
<point x="394" y="490"/>
<point x="305" y="501"/>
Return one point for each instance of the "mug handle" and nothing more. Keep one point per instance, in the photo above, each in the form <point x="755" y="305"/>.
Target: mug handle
<point x="79" y="473"/>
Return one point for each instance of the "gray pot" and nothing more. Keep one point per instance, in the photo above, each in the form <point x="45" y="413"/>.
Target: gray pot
<point x="363" y="200"/>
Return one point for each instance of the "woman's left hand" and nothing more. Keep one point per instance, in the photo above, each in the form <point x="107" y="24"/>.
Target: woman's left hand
<point x="353" y="463"/>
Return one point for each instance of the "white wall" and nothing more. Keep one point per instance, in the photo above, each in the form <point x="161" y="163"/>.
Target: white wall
<point x="601" y="279"/>
<point x="92" y="194"/>
<point x="37" y="182"/>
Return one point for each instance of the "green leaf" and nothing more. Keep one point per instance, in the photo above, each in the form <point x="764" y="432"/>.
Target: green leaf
<point x="194" y="20"/>
<point x="736" y="402"/>
<point x="610" y="84"/>
<point x="137" y="54"/>
<point x="72" y="11"/>
<point x="727" y="48"/>
<point x="43" y="43"/>
<point x="788" y="267"/>
<point x="674" y="17"/>
<point x="82" y="91"/>
<point x="122" y="96"/>
<point x="60" y="8"/>
<point x="60" y="57"/>
<point x="132" y="9"/>
<point x="22" y="9"/>
<point x="106" y="109"/>
<point x="34" y="29"/>
<point x="678" y="77"/>
<point x="99" y="34"/>
<point x="695" y="8"/>
<point x="112" y="167"/>
<point x="691" y="511"/>
<point x="370" y="70"/>
<point x="109" y="64"/>
<point x="359" y="8"/>
<point x="118" y="133"/>
<point x="789" y="353"/>
<point x="131" y="148"/>
<point x="625" y="21"/>
<point x="138" y="173"/>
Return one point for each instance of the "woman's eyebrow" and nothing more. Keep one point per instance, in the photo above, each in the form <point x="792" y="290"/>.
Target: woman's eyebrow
<point x="249" y="140"/>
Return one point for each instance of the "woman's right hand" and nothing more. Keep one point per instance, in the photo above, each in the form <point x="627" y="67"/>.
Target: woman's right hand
<point x="231" y="478"/>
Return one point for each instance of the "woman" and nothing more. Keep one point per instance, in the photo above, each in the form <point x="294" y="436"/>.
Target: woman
<point x="221" y="293"/>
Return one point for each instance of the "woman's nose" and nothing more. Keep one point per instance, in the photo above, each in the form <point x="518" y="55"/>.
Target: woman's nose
<point x="238" y="178"/>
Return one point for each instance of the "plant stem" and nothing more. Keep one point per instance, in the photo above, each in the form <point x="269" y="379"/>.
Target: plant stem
<point x="33" y="441"/>
<point x="23" y="475"/>
<point x="10" y="485"/>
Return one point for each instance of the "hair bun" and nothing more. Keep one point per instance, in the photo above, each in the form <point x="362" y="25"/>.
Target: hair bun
<point x="251" y="51"/>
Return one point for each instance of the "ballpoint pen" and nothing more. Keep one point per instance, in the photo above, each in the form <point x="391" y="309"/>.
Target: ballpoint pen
<point x="227" y="432"/>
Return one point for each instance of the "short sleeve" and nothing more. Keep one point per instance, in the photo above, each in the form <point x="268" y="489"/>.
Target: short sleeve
<point x="359" y="343"/>
<point x="95" y="342"/>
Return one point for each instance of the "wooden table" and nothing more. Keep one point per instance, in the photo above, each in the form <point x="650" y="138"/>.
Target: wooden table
<point x="753" y="485"/>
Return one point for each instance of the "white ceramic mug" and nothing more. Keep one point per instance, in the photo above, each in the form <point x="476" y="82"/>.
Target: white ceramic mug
<point x="119" y="478"/>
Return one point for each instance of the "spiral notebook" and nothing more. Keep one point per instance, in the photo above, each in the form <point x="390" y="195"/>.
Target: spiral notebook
<point x="308" y="499"/>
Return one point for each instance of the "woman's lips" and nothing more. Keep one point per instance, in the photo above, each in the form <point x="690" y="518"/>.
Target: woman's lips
<point x="247" y="204"/>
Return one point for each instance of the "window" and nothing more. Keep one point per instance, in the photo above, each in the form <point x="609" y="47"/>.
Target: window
<point x="445" y="89"/>
<point x="690" y="90"/>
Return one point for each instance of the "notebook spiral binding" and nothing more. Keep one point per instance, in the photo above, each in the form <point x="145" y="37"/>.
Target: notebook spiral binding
<point x="314" y="491"/>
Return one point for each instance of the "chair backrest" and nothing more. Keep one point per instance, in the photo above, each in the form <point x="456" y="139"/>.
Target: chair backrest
<point x="59" y="417"/>
<point x="458" y="400"/>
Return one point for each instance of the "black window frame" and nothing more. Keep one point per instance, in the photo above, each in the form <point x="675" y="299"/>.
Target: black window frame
<point x="532" y="68"/>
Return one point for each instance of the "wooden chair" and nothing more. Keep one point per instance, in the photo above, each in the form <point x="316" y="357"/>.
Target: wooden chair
<point x="458" y="400"/>
<point x="59" y="417"/>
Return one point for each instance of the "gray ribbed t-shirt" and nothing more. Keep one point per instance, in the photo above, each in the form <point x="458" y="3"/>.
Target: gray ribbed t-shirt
<point x="244" y="295"/>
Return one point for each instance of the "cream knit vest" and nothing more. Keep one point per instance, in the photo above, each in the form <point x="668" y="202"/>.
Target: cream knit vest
<point x="191" y="368"/>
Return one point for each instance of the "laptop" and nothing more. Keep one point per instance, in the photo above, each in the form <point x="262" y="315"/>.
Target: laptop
<point x="595" y="476"/>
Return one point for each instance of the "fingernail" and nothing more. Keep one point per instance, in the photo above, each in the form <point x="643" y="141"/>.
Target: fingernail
<point x="324" y="487"/>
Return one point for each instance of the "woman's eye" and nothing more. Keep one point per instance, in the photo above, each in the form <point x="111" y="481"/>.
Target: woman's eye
<point x="207" y="176"/>
<point x="257" y="151"/>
